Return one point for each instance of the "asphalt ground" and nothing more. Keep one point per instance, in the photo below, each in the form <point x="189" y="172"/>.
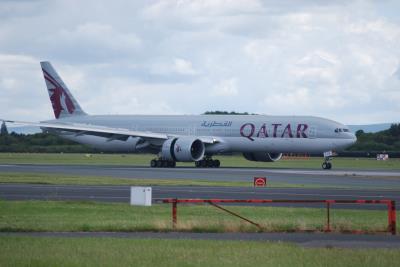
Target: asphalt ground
<point x="122" y="194"/>
<point x="370" y="179"/>
<point x="333" y="184"/>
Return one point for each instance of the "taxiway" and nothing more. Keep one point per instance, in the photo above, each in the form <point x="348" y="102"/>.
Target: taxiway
<point x="371" y="179"/>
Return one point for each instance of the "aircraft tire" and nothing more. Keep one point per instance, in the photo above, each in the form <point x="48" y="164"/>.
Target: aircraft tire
<point x="153" y="163"/>
<point x="207" y="163"/>
<point x="216" y="163"/>
<point x="326" y="165"/>
<point x="171" y="164"/>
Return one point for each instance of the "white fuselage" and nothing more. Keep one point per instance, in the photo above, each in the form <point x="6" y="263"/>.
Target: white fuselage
<point x="235" y="133"/>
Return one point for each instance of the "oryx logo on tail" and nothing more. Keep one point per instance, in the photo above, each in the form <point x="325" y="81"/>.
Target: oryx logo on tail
<point x="59" y="98"/>
<point x="62" y="100"/>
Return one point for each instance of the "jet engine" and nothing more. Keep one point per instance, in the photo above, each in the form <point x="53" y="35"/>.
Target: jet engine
<point x="183" y="149"/>
<point x="263" y="156"/>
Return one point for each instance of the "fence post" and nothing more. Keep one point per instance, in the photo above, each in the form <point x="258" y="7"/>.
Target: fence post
<point x="174" y="213"/>
<point x="328" y="221"/>
<point x="392" y="217"/>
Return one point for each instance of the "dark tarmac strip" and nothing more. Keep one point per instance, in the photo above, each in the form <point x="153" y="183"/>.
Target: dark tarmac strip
<point x="332" y="178"/>
<point x="310" y="240"/>
<point x="122" y="194"/>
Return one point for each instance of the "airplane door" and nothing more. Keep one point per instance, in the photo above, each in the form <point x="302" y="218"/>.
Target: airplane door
<point x="312" y="132"/>
<point x="192" y="130"/>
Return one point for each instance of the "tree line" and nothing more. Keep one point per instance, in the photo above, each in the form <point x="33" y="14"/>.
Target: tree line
<point x="387" y="140"/>
<point x="39" y="143"/>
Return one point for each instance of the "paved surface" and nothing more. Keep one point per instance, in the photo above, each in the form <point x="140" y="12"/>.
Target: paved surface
<point x="369" y="181"/>
<point x="302" y="239"/>
<point x="327" y="178"/>
<point x="122" y="193"/>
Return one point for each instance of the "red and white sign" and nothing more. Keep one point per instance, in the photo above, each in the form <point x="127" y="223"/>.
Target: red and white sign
<point x="260" y="181"/>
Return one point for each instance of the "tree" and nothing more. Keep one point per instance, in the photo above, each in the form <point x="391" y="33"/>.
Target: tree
<point x="3" y="130"/>
<point x="394" y="130"/>
<point x="359" y="133"/>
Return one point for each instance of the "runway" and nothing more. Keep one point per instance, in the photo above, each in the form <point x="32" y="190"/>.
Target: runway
<point x="122" y="194"/>
<point x="334" y="184"/>
<point x="330" y="178"/>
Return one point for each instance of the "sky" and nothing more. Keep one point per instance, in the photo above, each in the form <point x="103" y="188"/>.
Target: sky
<point x="336" y="59"/>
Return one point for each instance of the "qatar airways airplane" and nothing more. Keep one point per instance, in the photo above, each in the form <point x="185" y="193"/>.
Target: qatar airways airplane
<point x="191" y="138"/>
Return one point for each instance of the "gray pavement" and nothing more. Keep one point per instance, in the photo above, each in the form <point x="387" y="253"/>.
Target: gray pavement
<point x="337" y="184"/>
<point x="330" y="178"/>
<point x="122" y="194"/>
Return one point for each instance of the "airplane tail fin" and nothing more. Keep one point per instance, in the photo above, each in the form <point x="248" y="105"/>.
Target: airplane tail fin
<point x="63" y="102"/>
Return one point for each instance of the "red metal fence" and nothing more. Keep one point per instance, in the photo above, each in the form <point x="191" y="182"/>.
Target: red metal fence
<point x="391" y="206"/>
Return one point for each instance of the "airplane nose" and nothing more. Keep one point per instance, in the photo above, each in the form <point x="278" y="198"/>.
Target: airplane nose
<point x="353" y="138"/>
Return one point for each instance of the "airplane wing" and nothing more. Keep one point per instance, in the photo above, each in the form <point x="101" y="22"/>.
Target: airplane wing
<point x="108" y="132"/>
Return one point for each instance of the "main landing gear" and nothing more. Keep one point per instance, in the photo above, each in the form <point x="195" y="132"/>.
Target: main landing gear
<point x="160" y="163"/>
<point x="204" y="163"/>
<point x="208" y="163"/>
<point x="327" y="164"/>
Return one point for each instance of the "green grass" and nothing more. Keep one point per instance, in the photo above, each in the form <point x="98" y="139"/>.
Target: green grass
<point x="64" y="179"/>
<point x="226" y="161"/>
<point x="17" y="251"/>
<point x="27" y="251"/>
<point x="90" y="216"/>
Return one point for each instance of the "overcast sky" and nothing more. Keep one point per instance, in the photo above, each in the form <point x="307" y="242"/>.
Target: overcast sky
<point x="335" y="59"/>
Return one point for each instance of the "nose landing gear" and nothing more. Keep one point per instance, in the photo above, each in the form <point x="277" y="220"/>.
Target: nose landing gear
<point x="327" y="164"/>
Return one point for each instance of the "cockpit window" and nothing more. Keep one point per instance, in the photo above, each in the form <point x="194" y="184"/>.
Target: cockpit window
<point x="339" y="130"/>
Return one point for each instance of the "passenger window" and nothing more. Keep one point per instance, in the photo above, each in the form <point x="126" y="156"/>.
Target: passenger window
<point x="336" y="130"/>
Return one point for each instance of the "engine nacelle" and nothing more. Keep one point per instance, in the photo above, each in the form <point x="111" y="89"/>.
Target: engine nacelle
<point x="183" y="149"/>
<point x="263" y="156"/>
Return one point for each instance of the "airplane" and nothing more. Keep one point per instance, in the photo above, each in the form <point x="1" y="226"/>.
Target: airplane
<point x="191" y="138"/>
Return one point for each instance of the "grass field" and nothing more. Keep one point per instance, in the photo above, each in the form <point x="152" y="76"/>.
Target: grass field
<point x="26" y="251"/>
<point x="20" y="216"/>
<point x="90" y="216"/>
<point x="60" y="179"/>
<point x="226" y="161"/>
